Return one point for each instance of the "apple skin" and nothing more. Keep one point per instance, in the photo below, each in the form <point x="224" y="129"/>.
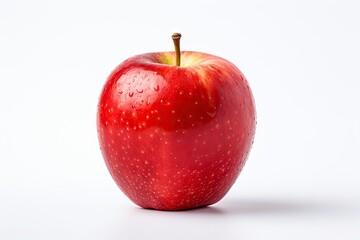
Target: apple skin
<point x="176" y="137"/>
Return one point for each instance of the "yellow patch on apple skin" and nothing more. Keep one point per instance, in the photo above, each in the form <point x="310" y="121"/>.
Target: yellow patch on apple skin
<point x="202" y="64"/>
<point x="205" y="69"/>
<point x="201" y="71"/>
<point x="167" y="58"/>
<point x="188" y="58"/>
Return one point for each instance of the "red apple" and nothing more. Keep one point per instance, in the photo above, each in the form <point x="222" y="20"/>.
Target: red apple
<point x="176" y="137"/>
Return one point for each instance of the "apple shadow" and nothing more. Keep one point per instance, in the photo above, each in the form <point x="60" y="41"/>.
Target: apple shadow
<point x="245" y="207"/>
<point x="212" y="219"/>
<point x="255" y="207"/>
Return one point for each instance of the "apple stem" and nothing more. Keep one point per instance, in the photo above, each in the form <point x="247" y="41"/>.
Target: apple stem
<point x="176" y="38"/>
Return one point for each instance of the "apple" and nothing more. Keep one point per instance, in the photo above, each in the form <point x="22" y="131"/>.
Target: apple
<point x="175" y="128"/>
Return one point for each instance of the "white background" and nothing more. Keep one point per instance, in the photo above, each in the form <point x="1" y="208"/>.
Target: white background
<point x="302" y="59"/>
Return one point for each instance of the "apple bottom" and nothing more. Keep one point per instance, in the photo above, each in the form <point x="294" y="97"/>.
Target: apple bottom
<point x="177" y="170"/>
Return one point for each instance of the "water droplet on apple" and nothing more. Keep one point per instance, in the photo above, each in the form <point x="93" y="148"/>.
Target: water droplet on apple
<point x="120" y="92"/>
<point x="131" y="94"/>
<point x="140" y="91"/>
<point x="157" y="88"/>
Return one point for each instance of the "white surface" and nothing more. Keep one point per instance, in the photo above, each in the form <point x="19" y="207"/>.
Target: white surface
<point x="300" y="57"/>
